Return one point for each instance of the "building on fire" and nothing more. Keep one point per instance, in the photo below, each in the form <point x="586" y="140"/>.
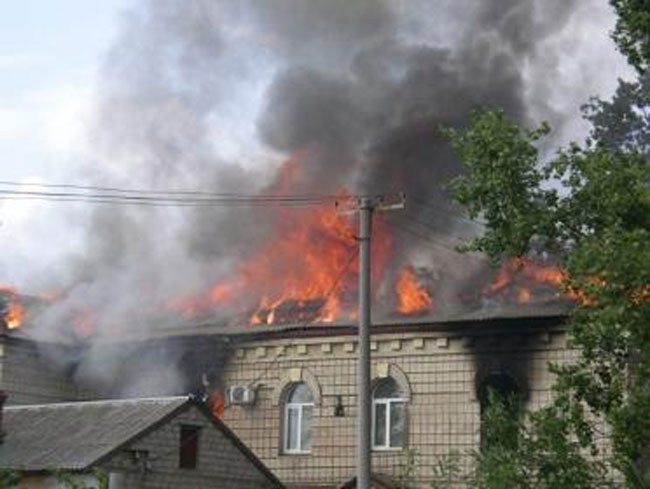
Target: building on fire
<point x="289" y="392"/>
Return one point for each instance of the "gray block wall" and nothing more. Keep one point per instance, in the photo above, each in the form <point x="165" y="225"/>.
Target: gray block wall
<point x="29" y="378"/>
<point x="220" y="463"/>
<point x="441" y="371"/>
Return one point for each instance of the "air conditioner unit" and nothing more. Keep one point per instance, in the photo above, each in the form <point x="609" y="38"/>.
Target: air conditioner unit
<point x="241" y="394"/>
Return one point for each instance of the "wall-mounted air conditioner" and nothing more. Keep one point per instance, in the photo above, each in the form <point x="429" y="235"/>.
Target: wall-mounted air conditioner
<point x="241" y="394"/>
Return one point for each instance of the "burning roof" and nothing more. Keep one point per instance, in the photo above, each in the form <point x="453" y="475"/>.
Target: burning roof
<point x="321" y="288"/>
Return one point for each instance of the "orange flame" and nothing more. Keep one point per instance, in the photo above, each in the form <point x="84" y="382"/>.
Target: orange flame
<point x="524" y="269"/>
<point x="525" y="275"/>
<point x="302" y="272"/>
<point x="411" y="297"/>
<point x="217" y="403"/>
<point x="14" y="311"/>
<point x="15" y="315"/>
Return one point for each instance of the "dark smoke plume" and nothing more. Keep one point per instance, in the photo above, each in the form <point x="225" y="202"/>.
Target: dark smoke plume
<point x="211" y="95"/>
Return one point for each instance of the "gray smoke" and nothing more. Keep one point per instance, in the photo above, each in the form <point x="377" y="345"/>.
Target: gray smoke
<point x="212" y="95"/>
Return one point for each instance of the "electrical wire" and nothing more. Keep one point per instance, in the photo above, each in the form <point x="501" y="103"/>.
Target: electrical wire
<point x="162" y="193"/>
<point x="451" y="214"/>
<point x="423" y="224"/>
<point x="135" y="200"/>
<point x="432" y="241"/>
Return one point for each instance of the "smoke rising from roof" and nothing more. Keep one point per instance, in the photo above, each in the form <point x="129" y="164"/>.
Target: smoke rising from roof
<point x="212" y="95"/>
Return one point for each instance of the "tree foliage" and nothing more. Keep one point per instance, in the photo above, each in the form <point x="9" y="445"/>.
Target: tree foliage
<point x="9" y="479"/>
<point x="524" y="451"/>
<point x="623" y="122"/>
<point x="533" y="451"/>
<point x="631" y="33"/>
<point x="590" y="206"/>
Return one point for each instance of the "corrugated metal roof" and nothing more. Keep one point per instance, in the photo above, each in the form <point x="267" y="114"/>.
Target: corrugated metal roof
<point x="75" y="435"/>
<point x="449" y="319"/>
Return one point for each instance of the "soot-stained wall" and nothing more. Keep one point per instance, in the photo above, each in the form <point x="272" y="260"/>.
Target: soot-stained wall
<point x="439" y="367"/>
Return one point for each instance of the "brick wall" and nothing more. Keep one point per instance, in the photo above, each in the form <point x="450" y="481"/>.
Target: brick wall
<point x="219" y="463"/>
<point x="28" y="378"/>
<point x="440" y="370"/>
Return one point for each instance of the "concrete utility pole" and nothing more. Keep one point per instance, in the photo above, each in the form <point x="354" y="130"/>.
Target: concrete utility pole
<point x="366" y="206"/>
<point x="364" y="404"/>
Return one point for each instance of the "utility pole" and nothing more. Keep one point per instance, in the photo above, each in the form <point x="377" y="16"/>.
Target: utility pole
<point x="366" y="206"/>
<point x="364" y="403"/>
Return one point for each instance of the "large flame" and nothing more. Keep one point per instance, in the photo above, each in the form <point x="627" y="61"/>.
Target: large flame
<point x="411" y="297"/>
<point x="304" y="271"/>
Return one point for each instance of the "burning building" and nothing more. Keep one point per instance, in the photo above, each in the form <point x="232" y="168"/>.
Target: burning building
<point x="255" y="117"/>
<point x="289" y="391"/>
<point x="272" y="348"/>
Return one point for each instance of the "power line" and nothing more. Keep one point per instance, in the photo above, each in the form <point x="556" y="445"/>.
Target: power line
<point x="424" y="224"/>
<point x="414" y="232"/>
<point x="428" y="207"/>
<point x="158" y="203"/>
<point x="163" y="193"/>
<point x="116" y="198"/>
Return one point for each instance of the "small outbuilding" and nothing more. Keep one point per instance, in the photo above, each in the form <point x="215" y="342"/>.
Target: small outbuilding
<point x="137" y="443"/>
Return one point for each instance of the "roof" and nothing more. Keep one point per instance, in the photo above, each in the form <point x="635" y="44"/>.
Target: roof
<point x="452" y="321"/>
<point x="73" y="436"/>
<point x="442" y="321"/>
<point x="79" y="435"/>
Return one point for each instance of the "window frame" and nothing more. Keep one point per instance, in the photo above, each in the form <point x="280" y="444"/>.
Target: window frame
<point x="300" y="407"/>
<point x="387" y="402"/>
<point x="188" y="454"/>
<point x="507" y="390"/>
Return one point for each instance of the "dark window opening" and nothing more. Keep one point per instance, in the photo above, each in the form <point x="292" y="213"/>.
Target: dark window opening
<point x="500" y="402"/>
<point x="189" y="446"/>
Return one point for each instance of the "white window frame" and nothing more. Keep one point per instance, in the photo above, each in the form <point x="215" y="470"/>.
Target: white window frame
<point x="299" y="406"/>
<point x="387" y="401"/>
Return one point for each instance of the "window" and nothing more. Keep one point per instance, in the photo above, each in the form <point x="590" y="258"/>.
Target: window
<point x="189" y="446"/>
<point x="298" y="415"/>
<point x="388" y="415"/>
<point x="500" y="403"/>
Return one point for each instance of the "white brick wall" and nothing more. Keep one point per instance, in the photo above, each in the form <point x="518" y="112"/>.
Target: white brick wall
<point x="443" y="412"/>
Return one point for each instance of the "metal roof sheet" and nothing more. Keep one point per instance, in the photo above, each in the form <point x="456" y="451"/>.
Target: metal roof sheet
<point x="73" y="436"/>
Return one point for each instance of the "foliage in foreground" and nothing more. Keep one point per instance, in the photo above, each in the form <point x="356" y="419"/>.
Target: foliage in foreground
<point x="589" y="206"/>
<point x="596" y="220"/>
<point x="533" y="451"/>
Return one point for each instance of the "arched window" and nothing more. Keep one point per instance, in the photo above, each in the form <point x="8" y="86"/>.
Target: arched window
<point x="388" y="415"/>
<point x="298" y="415"/>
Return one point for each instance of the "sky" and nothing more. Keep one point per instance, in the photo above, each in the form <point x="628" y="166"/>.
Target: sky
<point x="51" y="54"/>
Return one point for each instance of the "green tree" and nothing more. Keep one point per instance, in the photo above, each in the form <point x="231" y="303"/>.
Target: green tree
<point x="524" y="451"/>
<point x="631" y="33"/>
<point x="623" y="122"/>
<point x="532" y="451"/>
<point x="589" y="206"/>
<point x="9" y="479"/>
<point x="67" y="480"/>
<point x="595" y="218"/>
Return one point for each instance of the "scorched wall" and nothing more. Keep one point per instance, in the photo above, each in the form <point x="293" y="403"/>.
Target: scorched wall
<point x="439" y="368"/>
